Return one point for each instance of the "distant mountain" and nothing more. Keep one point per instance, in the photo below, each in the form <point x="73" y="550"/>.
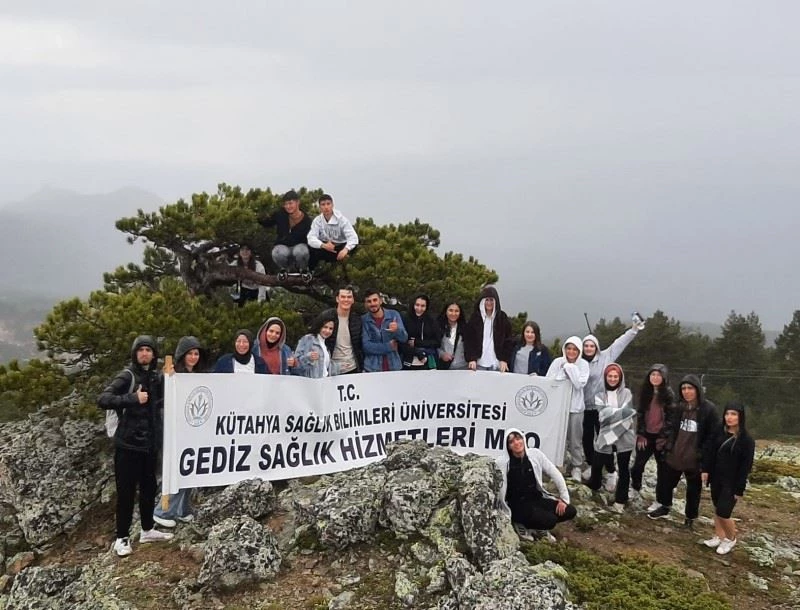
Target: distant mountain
<point x="58" y="243"/>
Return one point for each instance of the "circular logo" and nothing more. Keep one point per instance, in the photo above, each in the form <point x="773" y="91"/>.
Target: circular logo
<point x="198" y="406"/>
<point x="531" y="401"/>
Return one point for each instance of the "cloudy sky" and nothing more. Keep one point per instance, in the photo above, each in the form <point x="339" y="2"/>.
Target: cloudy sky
<point x="601" y="156"/>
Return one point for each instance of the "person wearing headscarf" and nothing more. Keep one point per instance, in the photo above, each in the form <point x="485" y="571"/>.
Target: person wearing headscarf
<point x="241" y="360"/>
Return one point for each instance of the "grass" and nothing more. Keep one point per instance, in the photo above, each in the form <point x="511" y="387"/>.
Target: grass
<point x="768" y="471"/>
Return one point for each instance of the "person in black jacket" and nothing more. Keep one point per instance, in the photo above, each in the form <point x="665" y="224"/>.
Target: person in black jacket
<point x="691" y="435"/>
<point x="424" y="336"/>
<point x="488" y="342"/>
<point x="291" y="241"/>
<point x="729" y="463"/>
<point x="530" y="356"/>
<point x="136" y="394"/>
<point x="345" y="343"/>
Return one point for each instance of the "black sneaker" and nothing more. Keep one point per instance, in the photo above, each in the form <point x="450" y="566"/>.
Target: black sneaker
<point x="662" y="512"/>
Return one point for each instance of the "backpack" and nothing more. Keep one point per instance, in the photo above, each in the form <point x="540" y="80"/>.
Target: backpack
<point x="112" y="415"/>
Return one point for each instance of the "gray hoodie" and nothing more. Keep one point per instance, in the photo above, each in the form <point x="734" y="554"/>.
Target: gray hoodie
<point x="601" y="360"/>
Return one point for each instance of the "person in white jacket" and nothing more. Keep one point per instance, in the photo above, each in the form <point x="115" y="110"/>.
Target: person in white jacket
<point x="598" y="361"/>
<point x="571" y="366"/>
<point x="522" y="494"/>
<point x="332" y="237"/>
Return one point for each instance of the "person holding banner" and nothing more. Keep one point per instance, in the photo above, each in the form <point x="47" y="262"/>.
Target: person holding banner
<point x="382" y="332"/>
<point x="313" y="358"/>
<point x="574" y="368"/>
<point x="617" y="433"/>
<point x="190" y="357"/>
<point x="137" y="396"/>
<point x="488" y="342"/>
<point x="242" y="360"/>
<point x="452" y="325"/>
<point x="345" y="342"/>
<point x="531" y="356"/>
<point x="424" y="336"/>
<point x="522" y="494"/>
<point x="272" y="349"/>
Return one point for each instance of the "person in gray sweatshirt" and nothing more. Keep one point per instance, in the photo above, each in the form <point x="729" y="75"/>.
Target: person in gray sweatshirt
<point x="598" y="361"/>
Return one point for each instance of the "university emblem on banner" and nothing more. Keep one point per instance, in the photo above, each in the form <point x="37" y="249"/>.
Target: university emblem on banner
<point x="531" y="401"/>
<point x="198" y="406"/>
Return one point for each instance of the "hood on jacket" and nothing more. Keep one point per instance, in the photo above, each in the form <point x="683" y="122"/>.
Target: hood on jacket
<point x="487" y="291"/>
<point x="509" y="432"/>
<point x="739" y="408"/>
<point x="661" y="368"/>
<point x="596" y="342"/>
<point x="694" y="380"/>
<point x="621" y="385"/>
<point x="576" y="341"/>
<point x="262" y="332"/>
<point x="144" y="341"/>
<point x="188" y="343"/>
<point x="424" y="297"/>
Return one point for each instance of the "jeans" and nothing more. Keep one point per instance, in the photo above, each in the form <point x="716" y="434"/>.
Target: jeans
<point x="296" y="257"/>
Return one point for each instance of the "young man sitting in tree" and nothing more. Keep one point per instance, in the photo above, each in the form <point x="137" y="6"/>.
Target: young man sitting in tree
<point x="332" y="237"/>
<point x="292" y="226"/>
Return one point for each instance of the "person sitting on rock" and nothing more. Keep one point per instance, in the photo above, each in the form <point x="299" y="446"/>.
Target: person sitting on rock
<point x="522" y="495"/>
<point x="332" y="237"/>
<point x="137" y="396"/>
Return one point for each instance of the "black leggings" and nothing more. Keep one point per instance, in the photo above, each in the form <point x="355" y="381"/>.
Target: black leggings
<point x="591" y="427"/>
<point x="132" y="469"/>
<point x="541" y="514"/>
<point x="623" y="484"/>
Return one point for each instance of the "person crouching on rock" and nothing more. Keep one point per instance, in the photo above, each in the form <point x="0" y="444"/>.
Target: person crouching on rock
<point x="136" y="394"/>
<point x="522" y="495"/>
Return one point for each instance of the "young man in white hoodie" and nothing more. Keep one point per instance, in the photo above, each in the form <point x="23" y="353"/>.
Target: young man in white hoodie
<point x="332" y="237"/>
<point x="574" y="368"/>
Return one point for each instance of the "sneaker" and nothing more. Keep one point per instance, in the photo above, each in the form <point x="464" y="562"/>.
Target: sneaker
<point x="186" y="518"/>
<point x="653" y="506"/>
<point x="617" y="508"/>
<point x="122" y="547"/>
<point x="610" y="481"/>
<point x="544" y="535"/>
<point x="662" y="512"/>
<point x="169" y="523"/>
<point x="576" y="474"/>
<point x="726" y="546"/>
<point x="154" y="536"/>
<point x="712" y="543"/>
<point x="587" y="473"/>
<point x="523" y="533"/>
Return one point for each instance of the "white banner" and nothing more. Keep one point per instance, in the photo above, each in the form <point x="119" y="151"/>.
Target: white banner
<point x="220" y="429"/>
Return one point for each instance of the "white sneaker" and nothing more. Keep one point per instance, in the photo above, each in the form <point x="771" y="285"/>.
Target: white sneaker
<point x="524" y="533"/>
<point x="610" y="481"/>
<point x="587" y="473"/>
<point x="164" y="522"/>
<point x="653" y="506"/>
<point x="726" y="546"/>
<point x="618" y="508"/>
<point x="186" y="518"/>
<point x="712" y="543"/>
<point x="576" y="474"/>
<point x="154" y="536"/>
<point x="122" y="547"/>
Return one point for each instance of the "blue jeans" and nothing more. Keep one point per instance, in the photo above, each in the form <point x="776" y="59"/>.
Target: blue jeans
<point x="179" y="506"/>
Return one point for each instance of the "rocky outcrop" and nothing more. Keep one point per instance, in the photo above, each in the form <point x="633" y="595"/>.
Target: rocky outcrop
<point x="252" y="498"/>
<point x="51" y="472"/>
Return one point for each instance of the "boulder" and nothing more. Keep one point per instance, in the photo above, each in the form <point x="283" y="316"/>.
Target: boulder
<point x="254" y="498"/>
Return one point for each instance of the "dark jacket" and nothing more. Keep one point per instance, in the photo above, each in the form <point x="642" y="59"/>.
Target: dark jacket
<point x="425" y="331"/>
<point x="731" y="458"/>
<point x="354" y="324"/>
<point x="185" y="345"/>
<point x="286" y="236"/>
<point x="667" y="398"/>
<point x="538" y="360"/>
<point x="473" y="335"/>
<point x="225" y="364"/>
<point x="139" y="427"/>
<point x="707" y="423"/>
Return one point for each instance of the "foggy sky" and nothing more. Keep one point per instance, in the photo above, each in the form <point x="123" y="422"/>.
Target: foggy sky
<point x="602" y="157"/>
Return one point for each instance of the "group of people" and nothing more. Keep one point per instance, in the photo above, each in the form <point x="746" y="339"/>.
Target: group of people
<point x="300" y="243"/>
<point x="683" y="435"/>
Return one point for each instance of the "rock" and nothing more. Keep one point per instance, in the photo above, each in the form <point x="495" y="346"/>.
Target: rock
<point x="239" y="550"/>
<point x="444" y="529"/>
<point x="437" y="583"/>
<point x="253" y="498"/>
<point x="341" y="601"/>
<point x="695" y="574"/>
<point x="758" y="583"/>
<point x="343" y="508"/>
<point x="409" y="497"/>
<point x="507" y="584"/>
<point x="19" y="562"/>
<point x="477" y="493"/>
<point x="553" y="571"/>
<point x="788" y="483"/>
<point x="40" y="587"/>
<point x="405" y="589"/>
<point x="51" y="472"/>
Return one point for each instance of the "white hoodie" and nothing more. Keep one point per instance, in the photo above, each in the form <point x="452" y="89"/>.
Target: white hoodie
<point x="577" y="372"/>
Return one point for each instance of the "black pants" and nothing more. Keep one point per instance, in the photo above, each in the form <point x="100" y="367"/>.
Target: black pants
<point x="591" y="427"/>
<point x="642" y="457"/>
<point x="541" y="514"/>
<point x="247" y="294"/>
<point x="693" y="487"/>
<point x="624" y="481"/>
<point x="132" y="469"/>
<point x="320" y="254"/>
